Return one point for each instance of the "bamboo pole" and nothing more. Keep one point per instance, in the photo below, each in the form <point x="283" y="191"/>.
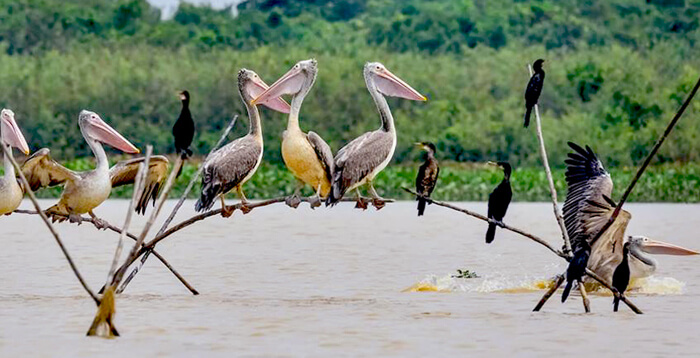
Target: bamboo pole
<point x="46" y="221"/>
<point x="550" y="181"/>
<point x="103" y="323"/>
<point x="170" y="218"/>
<point x="648" y="159"/>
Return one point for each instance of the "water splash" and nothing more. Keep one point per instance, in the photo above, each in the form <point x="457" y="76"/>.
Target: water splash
<point x="508" y="284"/>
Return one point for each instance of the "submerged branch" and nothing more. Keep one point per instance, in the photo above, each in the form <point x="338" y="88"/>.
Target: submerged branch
<point x="648" y="159"/>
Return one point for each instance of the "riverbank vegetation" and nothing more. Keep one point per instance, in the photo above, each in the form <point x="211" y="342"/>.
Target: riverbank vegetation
<point x="616" y="72"/>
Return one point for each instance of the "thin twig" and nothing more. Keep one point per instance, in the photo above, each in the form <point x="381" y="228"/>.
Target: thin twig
<point x="159" y="205"/>
<point x="170" y="218"/>
<point x="550" y="181"/>
<point x="491" y="221"/>
<point x="35" y="202"/>
<point x="648" y="159"/>
<point x="120" y="273"/>
<point x="139" y="185"/>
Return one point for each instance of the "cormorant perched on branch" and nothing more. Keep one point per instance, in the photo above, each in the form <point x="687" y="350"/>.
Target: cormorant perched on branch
<point x="621" y="276"/>
<point x="577" y="267"/>
<point x="183" y="130"/>
<point x="427" y="175"/>
<point x="534" y="89"/>
<point x="499" y="200"/>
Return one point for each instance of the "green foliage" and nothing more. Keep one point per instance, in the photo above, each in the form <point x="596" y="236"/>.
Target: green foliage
<point x="616" y="73"/>
<point x="457" y="182"/>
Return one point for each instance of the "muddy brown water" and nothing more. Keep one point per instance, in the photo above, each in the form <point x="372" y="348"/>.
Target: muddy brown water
<point x="282" y="282"/>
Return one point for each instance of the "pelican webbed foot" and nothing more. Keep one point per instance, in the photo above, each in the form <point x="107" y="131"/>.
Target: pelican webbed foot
<point x="99" y="223"/>
<point x="245" y="208"/>
<point x="361" y="203"/>
<point x="293" y="201"/>
<point x="377" y="200"/>
<point x="226" y="211"/>
<point x="72" y="218"/>
<point x="314" y="202"/>
<point x="378" y="203"/>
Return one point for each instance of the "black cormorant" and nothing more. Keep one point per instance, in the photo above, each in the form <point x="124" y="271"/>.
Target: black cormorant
<point x="183" y="130"/>
<point x="577" y="267"/>
<point x="534" y="89"/>
<point x="427" y="175"/>
<point x="499" y="200"/>
<point x="621" y="276"/>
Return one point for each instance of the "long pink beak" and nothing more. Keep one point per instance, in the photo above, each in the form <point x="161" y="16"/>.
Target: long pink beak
<point x="391" y="85"/>
<point x="663" y="248"/>
<point x="290" y="83"/>
<point x="108" y="135"/>
<point x="257" y="88"/>
<point x="11" y="133"/>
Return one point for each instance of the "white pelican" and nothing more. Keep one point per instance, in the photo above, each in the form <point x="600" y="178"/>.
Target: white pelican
<point x="307" y="156"/>
<point x="230" y="166"/>
<point x="588" y="207"/>
<point x="362" y="159"/>
<point x="84" y="191"/>
<point x="10" y="190"/>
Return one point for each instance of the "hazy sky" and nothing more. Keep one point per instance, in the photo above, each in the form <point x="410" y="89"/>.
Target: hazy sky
<point x="169" y="6"/>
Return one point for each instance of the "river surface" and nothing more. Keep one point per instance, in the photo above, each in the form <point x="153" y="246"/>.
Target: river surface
<point x="280" y="283"/>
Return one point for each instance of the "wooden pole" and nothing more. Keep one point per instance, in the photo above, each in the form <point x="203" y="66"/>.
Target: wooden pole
<point x="103" y="323"/>
<point x="550" y="181"/>
<point x="46" y="221"/>
<point x="648" y="159"/>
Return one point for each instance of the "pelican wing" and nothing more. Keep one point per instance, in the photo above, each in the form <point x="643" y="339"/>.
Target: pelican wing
<point x="323" y="152"/>
<point x="606" y="252"/>
<point x="360" y="157"/>
<point x="588" y="183"/>
<point x="43" y="172"/>
<point x="124" y="173"/>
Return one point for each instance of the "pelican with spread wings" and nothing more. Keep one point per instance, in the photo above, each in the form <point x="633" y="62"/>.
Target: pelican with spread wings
<point x="588" y="207"/>
<point x="84" y="191"/>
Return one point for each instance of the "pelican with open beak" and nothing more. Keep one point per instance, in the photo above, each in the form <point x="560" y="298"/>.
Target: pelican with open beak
<point x="362" y="159"/>
<point x="84" y="191"/>
<point x="230" y="166"/>
<point x="10" y="190"/>
<point x="306" y="155"/>
<point x="587" y="209"/>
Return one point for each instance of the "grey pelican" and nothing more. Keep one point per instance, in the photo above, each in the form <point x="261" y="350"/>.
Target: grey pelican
<point x="362" y="159"/>
<point x="307" y="156"/>
<point x="230" y="166"/>
<point x="10" y="190"/>
<point x="84" y="191"/>
<point x="588" y="207"/>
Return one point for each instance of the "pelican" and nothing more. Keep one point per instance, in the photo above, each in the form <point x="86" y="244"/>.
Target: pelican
<point x="10" y="190"/>
<point x="230" y="166"/>
<point x="588" y="207"/>
<point x="307" y="156"/>
<point x="362" y="159"/>
<point x="84" y="191"/>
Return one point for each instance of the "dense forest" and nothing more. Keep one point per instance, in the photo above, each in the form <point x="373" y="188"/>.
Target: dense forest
<point x="616" y="71"/>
